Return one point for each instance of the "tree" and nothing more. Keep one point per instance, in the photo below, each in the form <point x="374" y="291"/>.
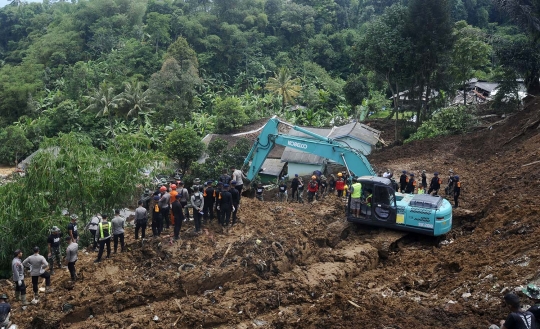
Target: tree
<point x="284" y="85"/>
<point x="183" y="146"/>
<point x="470" y="53"/>
<point x="13" y="145"/>
<point x="230" y="114"/>
<point x="135" y="100"/>
<point x="105" y="103"/>
<point x="158" y="27"/>
<point x="356" y="90"/>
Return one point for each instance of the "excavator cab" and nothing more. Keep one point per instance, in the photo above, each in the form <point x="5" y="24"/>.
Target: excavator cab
<point x="378" y="202"/>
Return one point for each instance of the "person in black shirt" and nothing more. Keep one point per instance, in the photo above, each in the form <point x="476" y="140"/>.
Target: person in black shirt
<point x="209" y="200"/>
<point x="224" y="178"/>
<point x="533" y="292"/>
<point x="178" y="217"/>
<point x="403" y="180"/>
<point x="323" y="186"/>
<point x="217" y="196"/>
<point x="235" y="201"/>
<point x="72" y="228"/>
<point x="435" y="184"/>
<point x="411" y="185"/>
<point x="424" y="179"/>
<point x="225" y="205"/>
<point x="53" y="241"/>
<point x="518" y="318"/>
<point x="294" y="187"/>
<point x="282" y="194"/>
<point x="5" y="311"/>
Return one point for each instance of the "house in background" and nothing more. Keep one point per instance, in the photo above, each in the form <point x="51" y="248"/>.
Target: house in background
<point x="302" y="163"/>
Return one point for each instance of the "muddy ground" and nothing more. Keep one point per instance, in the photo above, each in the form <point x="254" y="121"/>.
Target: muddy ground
<point x="302" y="266"/>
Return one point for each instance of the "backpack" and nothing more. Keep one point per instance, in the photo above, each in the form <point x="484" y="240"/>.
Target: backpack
<point x="198" y="200"/>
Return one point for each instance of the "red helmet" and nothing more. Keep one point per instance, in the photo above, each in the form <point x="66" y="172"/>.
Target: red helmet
<point x="163" y="189"/>
<point x="173" y="186"/>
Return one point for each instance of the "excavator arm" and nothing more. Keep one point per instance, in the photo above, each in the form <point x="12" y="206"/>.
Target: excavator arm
<point x="322" y="146"/>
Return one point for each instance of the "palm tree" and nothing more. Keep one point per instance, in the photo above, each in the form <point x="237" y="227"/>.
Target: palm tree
<point x="282" y="84"/>
<point x="136" y="100"/>
<point x="104" y="102"/>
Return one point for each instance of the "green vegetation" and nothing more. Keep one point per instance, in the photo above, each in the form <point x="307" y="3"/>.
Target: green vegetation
<point x="450" y="120"/>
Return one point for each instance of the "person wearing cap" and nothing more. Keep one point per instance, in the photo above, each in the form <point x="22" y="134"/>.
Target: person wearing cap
<point x="118" y="223"/>
<point x="72" y="228"/>
<point x="71" y="257"/>
<point x="18" y="277"/>
<point x="424" y="180"/>
<point x="178" y="215"/>
<point x="435" y="184"/>
<point x="295" y="182"/>
<point x="53" y="242"/>
<point x="38" y="264"/>
<point x="164" y="207"/>
<point x="403" y="180"/>
<point x="238" y="176"/>
<point x="141" y="219"/>
<point x="104" y="235"/>
<point x="356" y="197"/>
<point x="173" y="193"/>
<point x="533" y="292"/>
<point x="5" y="311"/>
<point x="197" y="202"/>
<point x="209" y="200"/>
<point x="518" y="318"/>
<point x="411" y="185"/>
<point x="457" y="191"/>
<point x="93" y="227"/>
<point x="313" y="187"/>
<point x="225" y="205"/>
<point x="282" y="188"/>
<point x="236" y="201"/>
<point x="156" y="217"/>
<point x="259" y="192"/>
<point x="183" y="195"/>
<point x="340" y="185"/>
<point x="197" y="182"/>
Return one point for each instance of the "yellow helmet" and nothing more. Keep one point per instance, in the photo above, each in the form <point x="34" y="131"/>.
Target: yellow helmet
<point x="339" y="174"/>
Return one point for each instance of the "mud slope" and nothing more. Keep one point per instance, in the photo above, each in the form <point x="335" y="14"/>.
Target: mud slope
<point x="302" y="266"/>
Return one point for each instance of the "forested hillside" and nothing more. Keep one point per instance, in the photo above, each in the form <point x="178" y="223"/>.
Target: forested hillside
<point x="148" y="67"/>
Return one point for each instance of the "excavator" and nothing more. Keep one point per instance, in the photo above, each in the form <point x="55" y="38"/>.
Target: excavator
<point x="418" y="213"/>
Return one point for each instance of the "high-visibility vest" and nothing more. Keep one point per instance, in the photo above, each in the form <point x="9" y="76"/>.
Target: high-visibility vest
<point x="368" y="199"/>
<point x="107" y="227"/>
<point x="357" y="190"/>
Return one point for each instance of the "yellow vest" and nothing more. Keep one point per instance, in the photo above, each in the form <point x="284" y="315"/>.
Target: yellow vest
<point x="357" y="190"/>
<point x="107" y="227"/>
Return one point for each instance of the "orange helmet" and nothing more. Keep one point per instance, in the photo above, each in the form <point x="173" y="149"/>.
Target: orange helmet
<point x="339" y="174"/>
<point x="313" y="177"/>
<point x="163" y="189"/>
<point x="173" y="186"/>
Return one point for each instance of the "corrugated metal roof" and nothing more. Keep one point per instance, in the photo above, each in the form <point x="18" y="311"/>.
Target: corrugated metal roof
<point x="487" y="86"/>
<point x="272" y="167"/>
<point x="297" y="156"/>
<point x="358" y="131"/>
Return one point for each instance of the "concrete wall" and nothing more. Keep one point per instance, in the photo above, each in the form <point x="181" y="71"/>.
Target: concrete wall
<point x="303" y="169"/>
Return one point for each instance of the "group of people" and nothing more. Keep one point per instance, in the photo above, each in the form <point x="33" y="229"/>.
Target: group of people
<point x="408" y="184"/>
<point x="519" y="318"/>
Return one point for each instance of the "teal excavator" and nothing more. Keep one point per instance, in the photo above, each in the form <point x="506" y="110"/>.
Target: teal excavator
<point x="419" y="213"/>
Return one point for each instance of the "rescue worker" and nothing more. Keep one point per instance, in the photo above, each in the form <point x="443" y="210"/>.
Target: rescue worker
<point x="301" y="190"/>
<point x="183" y="194"/>
<point x="457" y="191"/>
<point x="225" y="205"/>
<point x="217" y="194"/>
<point x="224" y="178"/>
<point x="235" y="193"/>
<point x="93" y="227"/>
<point x="197" y="182"/>
<point x="282" y="190"/>
<point x="238" y="176"/>
<point x="369" y="198"/>
<point x="294" y="187"/>
<point x="53" y="242"/>
<point x="104" y="235"/>
<point x="323" y="186"/>
<point x="331" y="184"/>
<point x="141" y="219"/>
<point x="340" y="185"/>
<point x="197" y="201"/>
<point x="518" y="318"/>
<point x="173" y="193"/>
<point x="72" y="228"/>
<point x="424" y="180"/>
<point x="421" y="189"/>
<point x="259" y="191"/>
<point x="356" y="195"/>
<point x="146" y="197"/>
<point x="18" y="277"/>
<point x="313" y="187"/>
<point x="533" y="292"/>
<point x="178" y="217"/>
<point x="5" y="311"/>
<point x="71" y="257"/>
<point x="411" y="185"/>
<point x="164" y="209"/>
<point x="156" y="217"/>
<point x="118" y="223"/>
<point x="38" y="265"/>
<point x="403" y="181"/>
<point x="209" y="200"/>
<point x="435" y="184"/>
<point x="449" y="189"/>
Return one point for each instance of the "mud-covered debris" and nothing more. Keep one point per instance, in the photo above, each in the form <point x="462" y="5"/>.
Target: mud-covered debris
<point x="155" y="318"/>
<point x="466" y="295"/>
<point x="186" y="267"/>
<point x="67" y="307"/>
<point x="259" y="323"/>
